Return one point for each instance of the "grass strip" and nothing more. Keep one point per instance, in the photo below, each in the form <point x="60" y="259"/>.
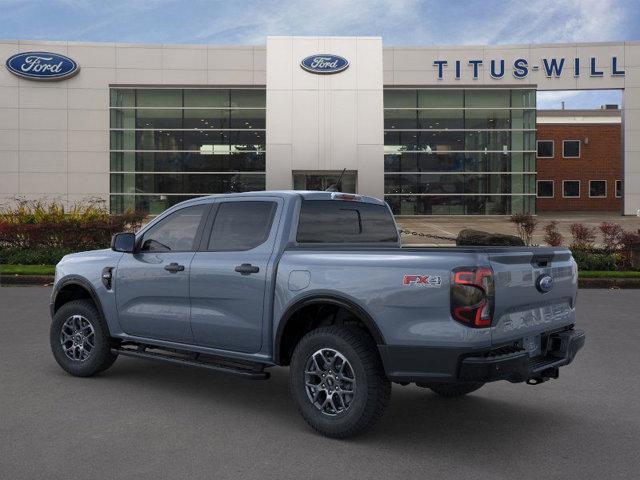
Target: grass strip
<point x="27" y="269"/>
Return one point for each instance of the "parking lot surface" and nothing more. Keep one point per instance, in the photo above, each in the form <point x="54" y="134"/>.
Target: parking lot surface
<point x="149" y="420"/>
<point x="449" y="226"/>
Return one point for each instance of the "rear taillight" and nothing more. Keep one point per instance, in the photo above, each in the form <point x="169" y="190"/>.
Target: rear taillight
<point x="472" y="296"/>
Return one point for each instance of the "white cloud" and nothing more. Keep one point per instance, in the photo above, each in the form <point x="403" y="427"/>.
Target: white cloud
<point x="542" y="21"/>
<point x="554" y="100"/>
<point x="399" y="22"/>
<point x="407" y="22"/>
<point x="333" y="17"/>
<point x="578" y="98"/>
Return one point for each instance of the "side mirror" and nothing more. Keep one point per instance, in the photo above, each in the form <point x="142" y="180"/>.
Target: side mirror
<point x="123" y="242"/>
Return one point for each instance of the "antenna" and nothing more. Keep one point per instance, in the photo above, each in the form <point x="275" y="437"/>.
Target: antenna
<point x="336" y="187"/>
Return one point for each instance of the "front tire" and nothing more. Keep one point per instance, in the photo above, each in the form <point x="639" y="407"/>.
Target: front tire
<point x="80" y="339"/>
<point x="338" y="382"/>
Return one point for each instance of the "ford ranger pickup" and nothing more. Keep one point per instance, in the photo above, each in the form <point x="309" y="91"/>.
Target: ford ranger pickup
<point x="319" y="282"/>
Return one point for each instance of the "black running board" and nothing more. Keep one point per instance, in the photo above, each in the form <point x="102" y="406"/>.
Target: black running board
<point x="251" y="371"/>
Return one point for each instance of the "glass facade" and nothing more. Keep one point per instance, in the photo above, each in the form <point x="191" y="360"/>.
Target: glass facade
<point x="321" y="180"/>
<point x="460" y="152"/>
<point x="167" y="145"/>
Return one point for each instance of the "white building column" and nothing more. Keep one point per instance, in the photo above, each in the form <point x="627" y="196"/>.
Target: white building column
<point x="325" y="122"/>
<point x="631" y="129"/>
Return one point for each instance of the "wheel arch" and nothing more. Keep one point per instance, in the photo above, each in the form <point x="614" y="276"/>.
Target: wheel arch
<point x="288" y="318"/>
<point x="72" y="288"/>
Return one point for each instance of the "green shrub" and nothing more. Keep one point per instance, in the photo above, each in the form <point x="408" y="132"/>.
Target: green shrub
<point x="32" y="256"/>
<point x="595" y="260"/>
<point x="34" y="232"/>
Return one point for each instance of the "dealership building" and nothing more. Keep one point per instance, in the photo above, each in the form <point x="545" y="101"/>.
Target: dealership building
<point x="432" y="130"/>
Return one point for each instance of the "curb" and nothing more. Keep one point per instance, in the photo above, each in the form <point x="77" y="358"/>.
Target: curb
<point x="608" y="282"/>
<point x="13" y="280"/>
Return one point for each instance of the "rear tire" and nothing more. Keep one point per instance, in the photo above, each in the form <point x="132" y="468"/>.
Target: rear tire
<point x="80" y="339"/>
<point x="353" y="393"/>
<point x="452" y="390"/>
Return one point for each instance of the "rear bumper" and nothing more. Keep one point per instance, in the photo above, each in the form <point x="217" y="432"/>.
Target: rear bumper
<point x="425" y="364"/>
<point x="518" y="366"/>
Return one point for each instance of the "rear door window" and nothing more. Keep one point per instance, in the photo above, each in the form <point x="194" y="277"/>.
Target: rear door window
<point x="338" y="221"/>
<point x="241" y="225"/>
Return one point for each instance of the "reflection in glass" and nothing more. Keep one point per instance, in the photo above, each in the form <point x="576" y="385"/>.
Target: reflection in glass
<point x="176" y="143"/>
<point x="179" y="183"/>
<point x="455" y="183"/>
<point x="441" y="119"/>
<point x="489" y="134"/>
<point x="460" y="204"/>
<point x="151" y="204"/>
<point x="440" y="98"/>
<point x="320" y="181"/>
<point x="238" y="161"/>
<point x="158" y="98"/>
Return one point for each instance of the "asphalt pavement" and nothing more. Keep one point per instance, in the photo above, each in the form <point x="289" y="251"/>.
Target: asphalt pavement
<point x="149" y="420"/>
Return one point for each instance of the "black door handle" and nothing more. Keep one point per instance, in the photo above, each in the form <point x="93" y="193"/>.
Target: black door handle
<point x="247" y="269"/>
<point x="174" y="268"/>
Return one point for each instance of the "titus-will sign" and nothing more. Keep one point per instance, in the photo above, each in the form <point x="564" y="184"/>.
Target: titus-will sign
<point x="42" y="66"/>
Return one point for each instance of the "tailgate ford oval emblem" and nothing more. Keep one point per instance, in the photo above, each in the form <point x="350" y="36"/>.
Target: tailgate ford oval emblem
<point x="544" y="283"/>
<point x="324" y="63"/>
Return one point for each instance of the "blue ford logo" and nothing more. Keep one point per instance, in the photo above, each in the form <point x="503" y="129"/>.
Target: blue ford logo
<point x="42" y="66"/>
<point x="324" y="63"/>
<point x="544" y="283"/>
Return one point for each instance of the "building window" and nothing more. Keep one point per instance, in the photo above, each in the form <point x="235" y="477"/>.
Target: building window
<point x="321" y="180"/>
<point x="545" y="188"/>
<point x="545" y="148"/>
<point x="460" y="151"/>
<point x="571" y="149"/>
<point x="168" y="145"/>
<point x="618" y="188"/>
<point x="597" y="188"/>
<point x="571" y="188"/>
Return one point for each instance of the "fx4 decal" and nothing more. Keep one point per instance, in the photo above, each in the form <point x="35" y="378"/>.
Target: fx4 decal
<point x="423" y="280"/>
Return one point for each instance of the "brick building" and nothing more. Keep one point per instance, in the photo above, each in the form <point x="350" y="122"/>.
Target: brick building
<point x="579" y="160"/>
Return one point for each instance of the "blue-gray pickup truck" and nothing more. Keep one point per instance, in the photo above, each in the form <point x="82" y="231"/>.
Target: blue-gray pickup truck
<point x="316" y="281"/>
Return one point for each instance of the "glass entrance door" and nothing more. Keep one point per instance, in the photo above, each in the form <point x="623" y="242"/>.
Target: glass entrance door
<point x="320" y="180"/>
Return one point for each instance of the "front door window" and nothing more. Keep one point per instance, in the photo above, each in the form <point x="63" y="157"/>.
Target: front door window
<point x="175" y="233"/>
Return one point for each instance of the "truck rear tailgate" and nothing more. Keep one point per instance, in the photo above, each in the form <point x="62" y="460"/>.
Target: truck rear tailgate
<point x="527" y="302"/>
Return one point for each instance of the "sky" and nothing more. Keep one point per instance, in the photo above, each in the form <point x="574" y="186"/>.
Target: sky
<point x="398" y="22"/>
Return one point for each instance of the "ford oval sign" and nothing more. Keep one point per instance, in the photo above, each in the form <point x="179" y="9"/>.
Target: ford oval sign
<point x="42" y="66"/>
<point x="544" y="283"/>
<point x="324" y="63"/>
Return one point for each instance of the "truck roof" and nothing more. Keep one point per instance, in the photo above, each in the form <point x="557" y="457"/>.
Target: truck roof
<point x="305" y="194"/>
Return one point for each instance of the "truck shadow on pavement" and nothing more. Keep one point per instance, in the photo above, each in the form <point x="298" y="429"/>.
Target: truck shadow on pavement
<point x="417" y="419"/>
